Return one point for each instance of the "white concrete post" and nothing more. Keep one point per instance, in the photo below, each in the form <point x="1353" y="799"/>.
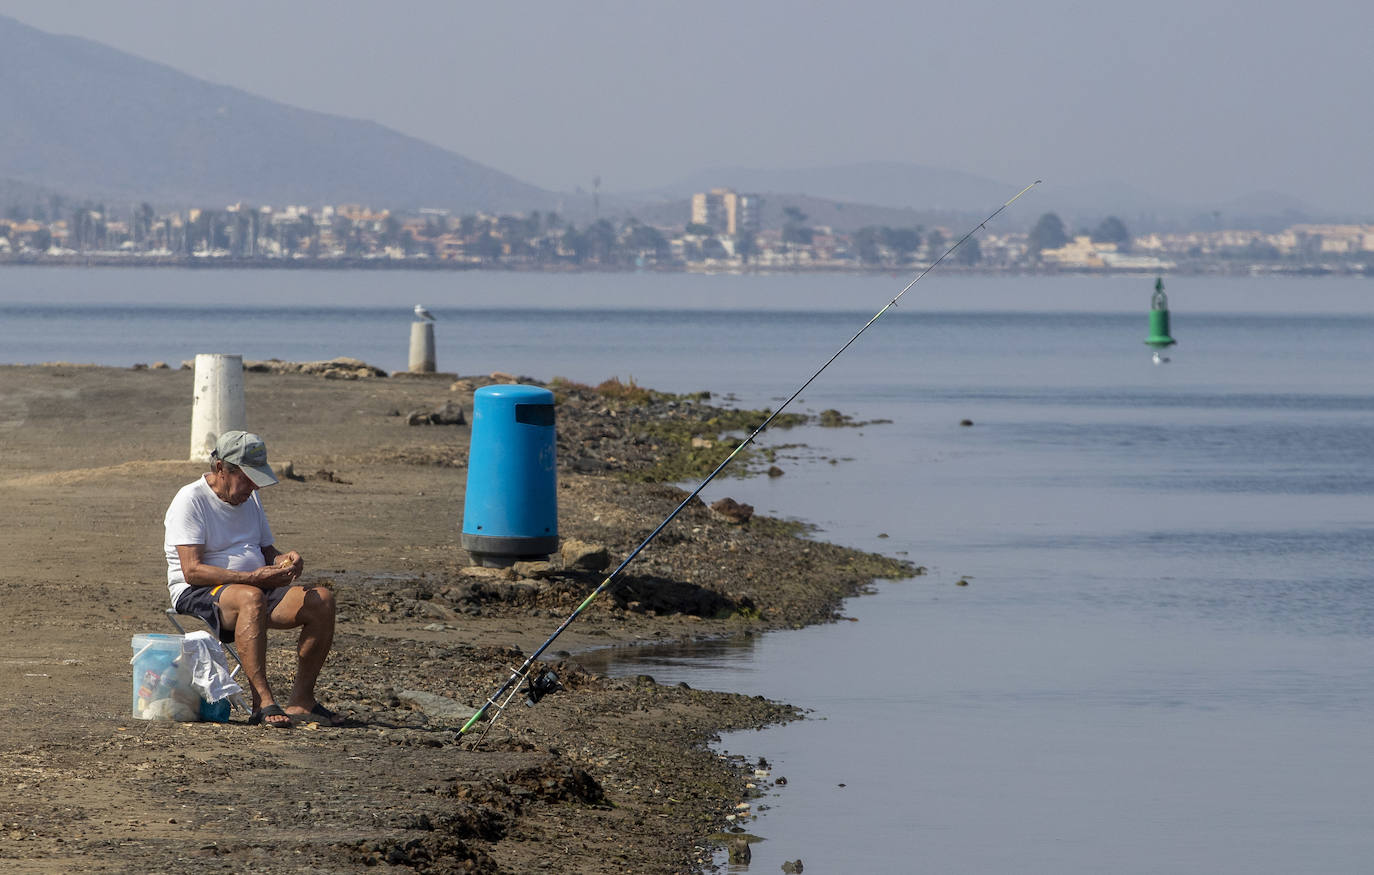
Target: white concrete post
<point x="218" y="403"/>
<point x="422" y="347"/>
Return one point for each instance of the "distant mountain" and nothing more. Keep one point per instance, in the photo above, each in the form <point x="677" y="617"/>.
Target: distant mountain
<point x="897" y="192"/>
<point x="836" y="215"/>
<point x="880" y="183"/>
<point x="843" y="198"/>
<point x="1086" y="204"/>
<point x="82" y="118"/>
<point x="84" y="121"/>
<point x="21" y="194"/>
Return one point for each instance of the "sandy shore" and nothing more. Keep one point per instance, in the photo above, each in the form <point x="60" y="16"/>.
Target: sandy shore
<point x="606" y="776"/>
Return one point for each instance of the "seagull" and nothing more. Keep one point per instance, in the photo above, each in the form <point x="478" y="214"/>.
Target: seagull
<point x="424" y="314"/>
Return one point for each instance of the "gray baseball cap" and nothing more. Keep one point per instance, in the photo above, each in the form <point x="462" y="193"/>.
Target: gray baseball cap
<point x="247" y="451"/>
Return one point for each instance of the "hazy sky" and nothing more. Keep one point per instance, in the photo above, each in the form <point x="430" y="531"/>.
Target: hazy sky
<point x="1198" y="100"/>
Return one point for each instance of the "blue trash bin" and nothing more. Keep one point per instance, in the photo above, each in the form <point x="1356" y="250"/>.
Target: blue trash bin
<point x="510" y="511"/>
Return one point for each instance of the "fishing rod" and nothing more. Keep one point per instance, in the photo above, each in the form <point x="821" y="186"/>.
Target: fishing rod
<point x="546" y="682"/>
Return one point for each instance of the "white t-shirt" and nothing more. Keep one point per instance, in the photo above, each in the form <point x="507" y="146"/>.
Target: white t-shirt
<point x="233" y="536"/>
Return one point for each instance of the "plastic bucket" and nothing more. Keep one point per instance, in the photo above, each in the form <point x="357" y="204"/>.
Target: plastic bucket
<point x="162" y="688"/>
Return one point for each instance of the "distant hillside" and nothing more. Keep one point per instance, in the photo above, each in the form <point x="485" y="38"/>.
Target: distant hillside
<point x="87" y="122"/>
<point x="25" y="196"/>
<point x="916" y="194"/>
<point x="837" y="215"/>
<point x="881" y="183"/>
<point x="86" y="119"/>
<point x="1083" y="205"/>
<point x="850" y="196"/>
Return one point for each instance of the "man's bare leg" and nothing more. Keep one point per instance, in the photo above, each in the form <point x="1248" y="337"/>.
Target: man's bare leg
<point x="243" y="608"/>
<point x="312" y="609"/>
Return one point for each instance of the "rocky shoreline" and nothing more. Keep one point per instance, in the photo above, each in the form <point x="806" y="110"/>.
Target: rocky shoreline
<point x="606" y="775"/>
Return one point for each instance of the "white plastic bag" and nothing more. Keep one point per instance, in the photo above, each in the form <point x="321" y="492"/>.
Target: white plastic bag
<point x="209" y="671"/>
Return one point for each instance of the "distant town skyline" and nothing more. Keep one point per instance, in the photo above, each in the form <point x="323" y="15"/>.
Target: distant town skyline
<point x="720" y="232"/>
<point x="1197" y="101"/>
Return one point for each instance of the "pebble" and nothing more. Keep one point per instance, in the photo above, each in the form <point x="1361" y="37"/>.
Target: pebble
<point x="739" y="851"/>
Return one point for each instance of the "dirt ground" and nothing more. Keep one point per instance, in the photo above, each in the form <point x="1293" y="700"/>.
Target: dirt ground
<point x="607" y="775"/>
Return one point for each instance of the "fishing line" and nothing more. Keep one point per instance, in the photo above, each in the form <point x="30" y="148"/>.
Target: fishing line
<point x="521" y="673"/>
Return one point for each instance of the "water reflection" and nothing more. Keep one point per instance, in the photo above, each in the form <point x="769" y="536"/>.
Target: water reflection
<point x="721" y="663"/>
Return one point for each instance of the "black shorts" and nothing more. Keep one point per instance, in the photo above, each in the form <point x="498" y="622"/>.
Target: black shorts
<point x="203" y="602"/>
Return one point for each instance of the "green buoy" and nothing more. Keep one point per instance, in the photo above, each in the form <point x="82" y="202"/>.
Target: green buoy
<point x="1159" y="319"/>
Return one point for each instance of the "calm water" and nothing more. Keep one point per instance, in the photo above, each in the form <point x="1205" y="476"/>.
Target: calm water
<point x="1162" y="660"/>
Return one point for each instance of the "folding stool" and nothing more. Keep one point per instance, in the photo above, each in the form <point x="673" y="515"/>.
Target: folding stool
<point x="172" y="617"/>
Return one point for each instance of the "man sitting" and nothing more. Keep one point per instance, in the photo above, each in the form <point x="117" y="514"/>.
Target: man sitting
<point x="223" y="567"/>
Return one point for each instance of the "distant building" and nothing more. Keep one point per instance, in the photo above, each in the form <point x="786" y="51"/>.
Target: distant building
<point x="1083" y="252"/>
<point x="728" y="212"/>
<point x="1330" y="239"/>
<point x="360" y="213"/>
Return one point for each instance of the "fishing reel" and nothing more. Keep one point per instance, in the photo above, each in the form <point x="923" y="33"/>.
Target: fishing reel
<point x="540" y="686"/>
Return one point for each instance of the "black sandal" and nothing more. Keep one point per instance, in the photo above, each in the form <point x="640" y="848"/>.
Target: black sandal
<point x="325" y="716"/>
<point x="273" y="710"/>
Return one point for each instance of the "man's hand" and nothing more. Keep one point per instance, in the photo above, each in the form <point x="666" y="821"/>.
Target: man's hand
<point x="269" y="576"/>
<point x="282" y="569"/>
<point x="291" y="564"/>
